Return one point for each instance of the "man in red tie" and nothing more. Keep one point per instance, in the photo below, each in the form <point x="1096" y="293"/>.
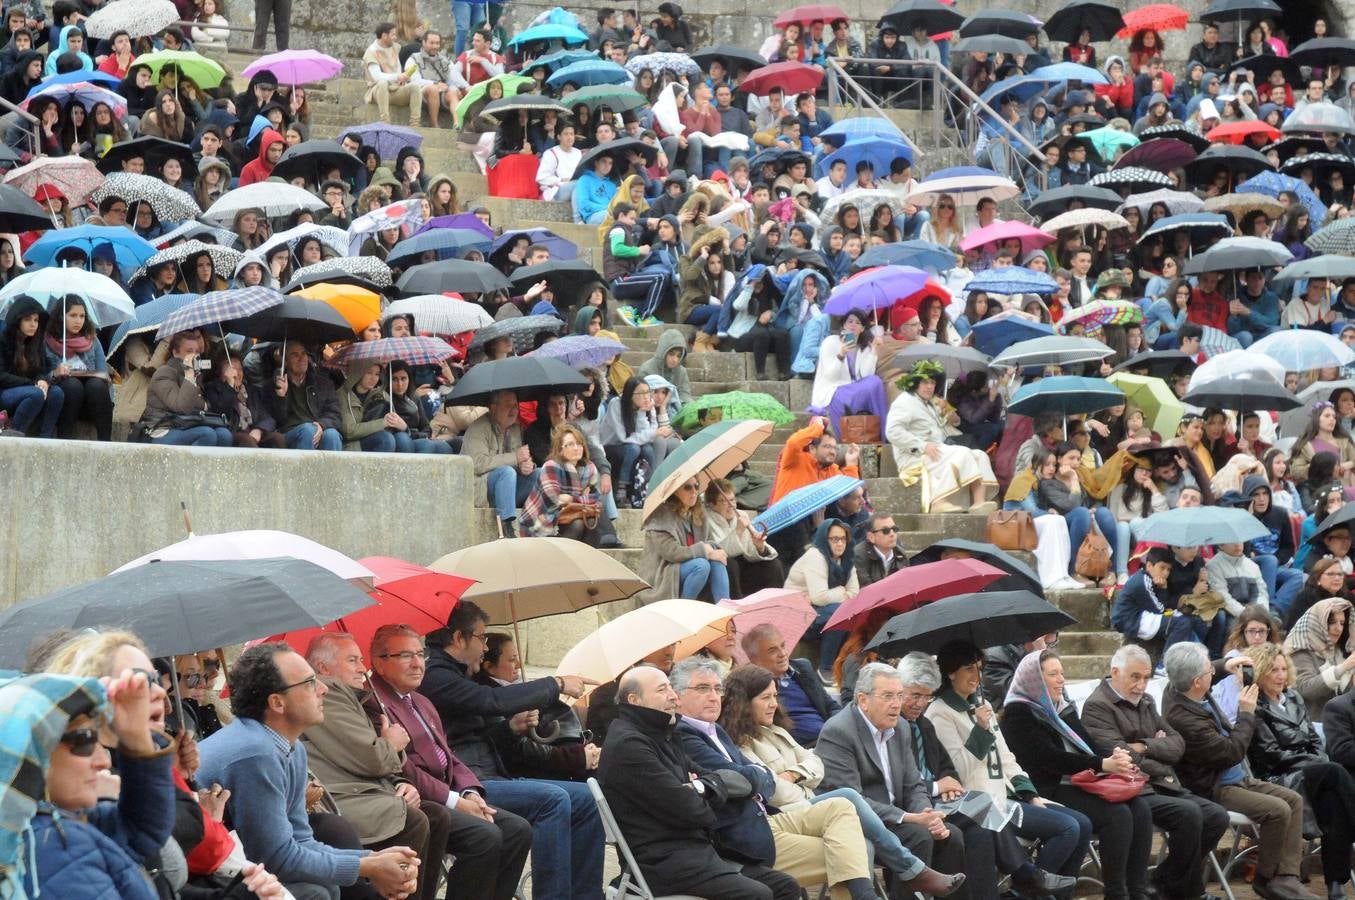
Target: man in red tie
<point x="490" y="845"/>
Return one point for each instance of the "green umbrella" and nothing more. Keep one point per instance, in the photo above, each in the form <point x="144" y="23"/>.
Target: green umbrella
<point x="511" y="85"/>
<point x="204" y="72"/>
<point x="616" y="97"/>
<point x="1162" y="412"/>
<point x="1107" y="140"/>
<point x="731" y="405"/>
<point x="713" y="452"/>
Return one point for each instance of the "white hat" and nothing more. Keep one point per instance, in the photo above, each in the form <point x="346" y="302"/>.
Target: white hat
<point x="1208" y="110"/>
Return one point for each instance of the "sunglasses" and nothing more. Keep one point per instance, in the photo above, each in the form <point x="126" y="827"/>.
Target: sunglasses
<point x="887" y="530"/>
<point x="81" y="742"/>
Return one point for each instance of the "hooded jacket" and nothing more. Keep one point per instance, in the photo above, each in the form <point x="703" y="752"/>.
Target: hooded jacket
<point x="86" y="64"/>
<point x="246" y="104"/>
<point x="790" y="314"/>
<point x="10" y="376"/>
<point x="259" y="168"/>
<point x="356" y="419"/>
<point x="672" y="339"/>
<point x="16" y="85"/>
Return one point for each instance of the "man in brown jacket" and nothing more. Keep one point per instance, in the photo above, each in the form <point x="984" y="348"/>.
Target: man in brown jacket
<point x="1213" y="766"/>
<point x="1120" y="713"/>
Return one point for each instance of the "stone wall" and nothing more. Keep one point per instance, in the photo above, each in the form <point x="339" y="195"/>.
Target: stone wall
<point x="78" y="510"/>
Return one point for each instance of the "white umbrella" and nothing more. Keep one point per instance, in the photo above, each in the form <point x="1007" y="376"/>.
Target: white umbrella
<point x="335" y="239"/>
<point x="168" y="203"/>
<point x="1302" y="349"/>
<point x="865" y="200"/>
<point x="1292" y="421"/>
<point x="1236" y="364"/>
<point x="629" y="638"/>
<point x="1177" y="202"/>
<point x="105" y="302"/>
<point x="1081" y="218"/>
<point x="139" y="18"/>
<point x="270" y="198"/>
<point x="1321" y="116"/>
<point x="437" y="314"/>
<point x="393" y="215"/>
<point x="966" y="189"/>
<point x="260" y="544"/>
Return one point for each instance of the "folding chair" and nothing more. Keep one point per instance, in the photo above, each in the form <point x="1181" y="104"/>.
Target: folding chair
<point x="631" y="885"/>
<point x="1210" y="858"/>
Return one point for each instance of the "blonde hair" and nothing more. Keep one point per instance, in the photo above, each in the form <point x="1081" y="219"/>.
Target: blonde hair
<point x="90" y="653"/>
<point x="1263" y="658"/>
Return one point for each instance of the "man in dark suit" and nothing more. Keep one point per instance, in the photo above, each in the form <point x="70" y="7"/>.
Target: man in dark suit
<point x="490" y="845"/>
<point x="879" y="556"/>
<point x="802" y="693"/>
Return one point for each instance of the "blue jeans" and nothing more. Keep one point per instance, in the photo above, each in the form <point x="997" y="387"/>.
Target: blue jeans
<point x="695" y="574"/>
<point x="197" y="436"/>
<point x="406" y="444"/>
<point x="1193" y="629"/>
<point x="466" y="16"/>
<point x="24" y="404"/>
<point x="889" y="851"/>
<point x="830" y="642"/>
<point x="1079" y="523"/>
<point x="912" y="225"/>
<point x="1064" y="835"/>
<point x="700" y="316"/>
<point x="631" y="454"/>
<point x="381" y="442"/>
<point x="508" y="489"/>
<point x="302" y="437"/>
<point x="1282" y="583"/>
<point x="566" y="834"/>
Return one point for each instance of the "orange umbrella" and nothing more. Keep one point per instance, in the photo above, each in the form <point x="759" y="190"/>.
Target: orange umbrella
<point x="359" y="306"/>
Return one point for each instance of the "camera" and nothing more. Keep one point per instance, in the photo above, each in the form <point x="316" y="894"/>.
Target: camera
<point x="1248" y="676"/>
<point x="202" y="365"/>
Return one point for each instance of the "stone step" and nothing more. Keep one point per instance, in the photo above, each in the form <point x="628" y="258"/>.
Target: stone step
<point x="1083" y="668"/>
<point x="1090" y="643"/>
<point x="1089" y="607"/>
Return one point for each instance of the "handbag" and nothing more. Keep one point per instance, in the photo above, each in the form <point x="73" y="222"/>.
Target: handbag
<point x="1093" y="556"/>
<point x="859" y="429"/>
<point x="1110" y="787"/>
<point x="194" y="420"/>
<point x="575" y="511"/>
<point x="1010" y="529"/>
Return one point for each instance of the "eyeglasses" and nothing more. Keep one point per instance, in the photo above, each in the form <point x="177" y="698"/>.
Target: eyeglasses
<point x="915" y="698"/>
<point x="408" y="656"/>
<point x="644" y="393"/>
<point x="81" y="742"/>
<point x="888" y="529"/>
<point x="1257" y="632"/>
<point x="690" y="486"/>
<point x="193" y="679"/>
<point x="716" y="689"/>
<point x="889" y="696"/>
<point x="838" y="539"/>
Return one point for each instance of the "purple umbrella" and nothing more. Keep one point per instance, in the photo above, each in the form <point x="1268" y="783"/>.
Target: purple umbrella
<point x="296" y="66"/>
<point x="388" y="139"/>
<point x="875" y="289"/>
<point x="460" y="220"/>
<point x="1163" y="155"/>
<point x="580" y="350"/>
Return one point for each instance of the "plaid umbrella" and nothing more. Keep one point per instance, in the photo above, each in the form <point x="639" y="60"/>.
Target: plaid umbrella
<point x="711" y="408"/>
<point x="1336" y="238"/>
<point x="580" y="350"/>
<point x="105" y="300"/>
<point x="270" y="198"/>
<point x="220" y="306"/>
<point x="1081" y="218"/>
<point x="206" y="73"/>
<point x="1216" y="342"/>
<point x="169" y="204"/>
<point x="522" y="329"/>
<point x="295" y="66"/>
<point x="224" y="259"/>
<point x="74" y="176"/>
<point x="436" y="314"/>
<point x="1099" y="313"/>
<point x="1135" y="178"/>
<point x="387" y="139"/>
<point x="1161" y="410"/>
<point x="416" y="351"/>
<point x="805" y="501"/>
<point x="367" y="268"/>
<point x="147" y="317"/>
<point x="139" y="18"/>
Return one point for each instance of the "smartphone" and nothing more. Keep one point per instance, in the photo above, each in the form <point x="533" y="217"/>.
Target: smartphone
<point x="1248" y="676"/>
<point x="202" y="365"/>
<point x="848" y="338"/>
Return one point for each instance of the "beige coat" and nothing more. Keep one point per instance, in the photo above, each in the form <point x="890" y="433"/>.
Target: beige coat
<point x="666" y="550"/>
<point x="738" y="544"/>
<point x="964" y="739"/>
<point x="778" y="751"/>
<point x="483" y="443"/>
<point x="810" y="574"/>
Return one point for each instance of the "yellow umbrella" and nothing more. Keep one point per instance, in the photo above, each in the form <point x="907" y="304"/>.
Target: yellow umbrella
<point x="359" y="306"/>
<point x="1161" y="410"/>
<point x="627" y="639"/>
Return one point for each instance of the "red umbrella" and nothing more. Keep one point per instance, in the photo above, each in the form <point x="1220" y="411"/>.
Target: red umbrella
<point x="405" y="593"/>
<point x="911" y="587"/>
<point x="1154" y="17"/>
<point x="1238" y="132"/>
<point x="813" y="12"/>
<point x="914" y="301"/>
<point x="792" y="77"/>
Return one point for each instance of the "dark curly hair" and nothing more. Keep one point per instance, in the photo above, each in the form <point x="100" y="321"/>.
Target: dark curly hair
<point x="742" y="685"/>
<point x="254" y="677"/>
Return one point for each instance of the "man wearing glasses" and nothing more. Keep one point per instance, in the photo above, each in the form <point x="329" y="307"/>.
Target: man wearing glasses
<point x="879" y="555"/>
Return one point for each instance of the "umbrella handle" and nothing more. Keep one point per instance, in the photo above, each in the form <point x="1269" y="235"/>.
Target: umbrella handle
<point x="187" y="522"/>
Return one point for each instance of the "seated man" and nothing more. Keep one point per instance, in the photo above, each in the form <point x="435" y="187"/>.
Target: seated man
<point x="1212" y="766"/>
<point x="362" y="768"/>
<point x="820" y="844"/>
<point x="666" y="813"/>
<point x="276" y="697"/>
<point x="480" y="720"/>
<point x="1120" y="713"/>
<point x="490" y="845"/>
<point x="1237" y="578"/>
<point x="496" y="448"/>
<point x="803" y="695"/>
<point x="386" y="82"/>
<point x="879" y="554"/>
<point x="305" y="405"/>
<point x="433" y="73"/>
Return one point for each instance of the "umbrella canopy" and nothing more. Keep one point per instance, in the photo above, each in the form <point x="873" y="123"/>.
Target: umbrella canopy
<point x="1135" y="178"/>
<point x="147" y="317"/>
<point x="1153" y="17"/>
<point x="82" y="92"/>
<point x="805" y="501"/>
<point x="461" y="220"/>
<point x="793" y="77"/>
<point x="877" y="152"/>
<point x="532" y="103"/>
<point x="866" y="200"/>
<point x="1108" y="141"/>
<point x="334" y="238"/>
<point x="295" y="67"/>
<point x="984" y="620"/>
<point x="1323" y="116"/>
<point x="617" y="98"/>
<point x="1300" y="350"/>
<point x="457" y="276"/>
<point x="710" y="408"/>
<point x="1336" y="238"/>
<point x="621" y="643"/>
<point x="1201" y="526"/>
<point x="359" y="306"/>
<point x="106" y="303"/>
<point x="564" y="276"/>
<point x="169" y="204"/>
<point x="549" y="31"/>
<point x="925" y="255"/>
<point x="1163" y="155"/>
<point x="1177" y="202"/>
<point x="1083" y="218"/>
<point x="1241" y="162"/>
<point x="415" y="350"/>
<point x="991" y="43"/>
<point x="713" y="452"/>
<point x="1239" y="205"/>
<point x="1201" y="225"/>
<point x="552" y="61"/>
<point x="1162" y="412"/>
<point x="1324" y="52"/>
<point x="808" y="14"/>
<point x="140" y="19"/>
<point x="521" y="329"/>
<point x="387" y="139"/>
<point x="1322" y="164"/>
<point x="444" y="243"/>
<point x="560" y="248"/>
<point x="580" y="351"/>
<point x="177" y="607"/>
<point x="1031" y="238"/>
<point x="1294" y="421"/>
<point x="219" y="306"/>
<point x="1021" y="573"/>
<point x="1052" y="202"/>
<point x="1013" y="280"/>
<point x="734" y="59"/>
<point x="619" y="150"/>
<point x="875" y="289"/>
<point x="312" y="159"/>
<point x="1335" y="267"/>
<point x="257" y="544"/>
<point x="154" y="150"/>
<point x="1158" y="363"/>
<point x="936" y="17"/>
<point x="995" y="334"/>
<point x="956" y="361"/>
<point x="1242" y="394"/>
<point x="129" y="249"/>
<point x="1262" y="65"/>
<point x="436" y="314"/>
<point x="272" y="199"/>
<point x="966" y="184"/>
<point x="1236" y="253"/>
<point x="1001" y="22"/>
<point x="527" y="376"/>
<point x="1238" y="10"/>
<point x="1237" y="364"/>
<point x="206" y="73"/>
<point x="521" y="580"/>
<point x="1273" y="184"/>
<point x="296" y="318"/>
<point x="224" y="259"/>
<point x="349" y="269"/>
<point x="589" y="72"/>
<point x="1056" y="350"/>
<point x="1065" y="394"/>
<point x="1102" y="19"/>
<point x="911" y="587"/>
<point x="789" y="612"/>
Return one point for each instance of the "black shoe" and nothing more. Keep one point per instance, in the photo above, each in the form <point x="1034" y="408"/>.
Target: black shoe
<point x="1336" y="891"/>
<point x="611" y="542"/>
<point x="1038" y="881"/>
<point x="508" y="528"/>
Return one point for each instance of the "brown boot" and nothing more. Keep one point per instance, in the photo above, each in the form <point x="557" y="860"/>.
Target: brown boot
<point x="705" y="343"/>
<point x="934" y="883"/>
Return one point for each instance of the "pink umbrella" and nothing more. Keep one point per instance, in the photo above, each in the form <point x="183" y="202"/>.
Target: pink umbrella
<point x="789" y="611"/>
<point x="296" y="66"/>
<point x="911" y="587"/>
<point x="1031" y="238"/>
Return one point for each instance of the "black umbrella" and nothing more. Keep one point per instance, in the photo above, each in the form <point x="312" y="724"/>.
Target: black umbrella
<point x="731" y="57"/>
<point x="1322" y="164"/>
<point x="1176" y="131"/>
<point x="1090" y="120"/>
<point x="452" y="276"/>
<point x="1158" y="363"/>
<point x="1324" y="52"/>
<point x="1237" y="10"/>
<point x="184" y="607"/>
<point x="1100" y="18"/>
<point x="1243" y="394"/>
<point x="936" y="17"/>
<point x="295" y="319"/>
<point x="807" y="259"/>
<point x="311" y="159"/>
<point x="1053" y="202"/>
<point x="1289" y="145"/>
<point x="154" y="150"/>
<point x="563" y="275"/>
<point x="984" y="620"/>
<point x="529" y="377"/>
<point x="1136" y="178"/>
<point x="532" y="103"/>
<point x="20" y="212"/>
<point x="781" y="157"/>
<point x="619" y="150"/>
<point x="989" y="553"/>
<point x="991" y="43"/>
<point x="1343" y="516"/>
<point x="1003" y="22"/>
<point x="1242" y="162"/>
<point x="1262" y="64"/>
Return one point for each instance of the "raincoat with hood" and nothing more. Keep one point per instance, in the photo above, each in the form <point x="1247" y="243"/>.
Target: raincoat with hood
<point x="260" y="168"/>
<point x="360" y="415"/>
<point x="62" y="48"/>
<point x="670" y="340"/>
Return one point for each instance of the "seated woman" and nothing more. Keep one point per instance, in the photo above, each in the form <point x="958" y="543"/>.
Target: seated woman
<point x="1252" y="628"/>
<point x="752" y="324"/>
<point x="75" y="360"/>
<point x="630" y="429"/>
<point x="198" y="275"/>
<point x="1321" y="500"/>
<point x="1066" y="494"/>
<point x="1053" y="552"/>
<point x="1286" y="749"/>
<point x="681" y="559"/>
<point x="1050" y="744"/>
<point x="753" y="563"/>
<point x="568" y="490"/>
<point x="1320" y="645"/>
<point x="1133" y="500"/>
<point x="365" y="417"/>
<point x="228" y="393"/>
<point x="26" y="388"/>
<point x="1326" y="579"/>
<point x="175" y="403"/>
<point x="414" y="437"/>
<point x="968" y="729"/>
<point x="916" y="427"/>
<point x="1324" y="434"/>
<point x="756" y="722"/>
<point x="826" y="574"/>
<point x="845" y="381"/>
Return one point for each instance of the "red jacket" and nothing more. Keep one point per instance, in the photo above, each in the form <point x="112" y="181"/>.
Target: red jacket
<point x="696" y="122"/>
<point x="1120" y="96"/>
<point x="1207" y="309"/>
<point x="258" y="169"/>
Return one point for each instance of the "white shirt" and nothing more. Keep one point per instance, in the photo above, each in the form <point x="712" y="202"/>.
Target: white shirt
<point x="880" y="741"/>
<point x="556" y="167"/>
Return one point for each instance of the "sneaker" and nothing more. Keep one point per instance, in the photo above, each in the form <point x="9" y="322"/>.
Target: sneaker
<point x="629" y="315"/>
<point x="1065" y="583"/>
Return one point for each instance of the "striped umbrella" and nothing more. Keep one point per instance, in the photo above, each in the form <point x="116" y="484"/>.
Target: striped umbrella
<point x="416" y="351"/>
<point x="1093" y="316"/>
<point x="218" y="306"/>
<point x="804" y="501"/>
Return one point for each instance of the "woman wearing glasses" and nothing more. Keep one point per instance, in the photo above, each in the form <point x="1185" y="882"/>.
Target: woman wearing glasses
<point x="681" y="557"/>
<point x="753" y="564"/>
<point x="630" y="429"/>
<point x="565" y="502"/>
<point x="1255" y="626"/>
<point x="826" y="573"/>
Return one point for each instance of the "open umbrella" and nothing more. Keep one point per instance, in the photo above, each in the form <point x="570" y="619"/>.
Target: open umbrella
<point x="710" y="408"/>
<point x="206" y="73"/>
<point x="616" y="97"/>
<point x="1163" y="155"/>
<point x="789" y="612"/>
<point x="462" y="220"/>
<point x="1031" y="238"/>
<point x="82" y="92"/>
<point x="521" y="329"/>
<point x="1242" y="394"/>
<point x="911" y="587"/>
<point x="272" y="199"/>
<point x="388" y="140"/>
<point x="416" y="350"/>
<point x="808" y="14"/>
<point x="169" y="204"/>
<point x="1333" y="267"/>
<point x="444" y="243"/>
<point x="1057" y="200"/>
<point x="75" y="176"/>
<point x="436" y="314"/>
<point x="793" y="77"/>
<point x="992" y="43"/>
<point x="1240" y="161"/>
<point x="984" y="620"/>
<point x="335" y="239"/>
<point x="219" y="306"/>
<point x="196" y="231"/>
<point x="621" y="643"/>
<point x="1013" y="280"/>
<point x="548" y="31"/>
<point x="1294" y="421"/>
<point x="877" y="152"/>
<point x="1007" y="23"/>
<point x="875" y="289"/>
<point x="1135" y="178"/>
<point x="450" y="276"/>
<point x="619" y="150"/>
<point x="580" y="351"/>
<point x="734" y="59"/>
<point x="1056" y="350"/>
<point x="1085" y="218"/>
<point x="359" y="306"/>
<point x="956" y="361"/>
<point x="1237" y="364"/>
<point x="866" y="200"/>
<point x="1336" y="238"/>
<point x="296" y="318"/>
<point x="1239" y="205"/>
<point x="177" y="607"/>
<point x="526" y="376"/>
<point x="1021" y="574"/>
<point x="106" y="303"/>
<point x="1153" y="17"/>
<point x="966" y="184"/>
<point x="1324" y="52"/>
<point x="1162" y="412"/>
<point x="713" y="452"/>
<point x="141" y="18"/>
<point x="129" y="248"/>
<point x="804" y="501"/>
<point x="1262" y="65"/>
<point x="1072" y="18"/>
<point x="533" y="104"/>
<point x="565" y="276"/>
<point x="1177" y="202"/>
<point x="224" y="259"/>
<point x="1201" y="526"/>
<point x="1273" y="184"/>
<point x="1300" y="350"/>
<point x="1201" y="225"/>
<point x="1323" y="116"/>
<point x="312" y="159"/>
<point x="1158" y="363"/>
<point x="925" y="255"/>
<point x="1067" y="395"/>
<point x="295" y="67"/>
<point x="589" y="72"/>
<point x="552" y="61"/>
<point x="1237" y="253"/>
<point x="146" y="318"/>
<point x="256" y="544"/>
<point x="995" y="334"/>
<point x="936" y="17"/>
<point x="1322" y="164"/>
<point x="346" y="269"/>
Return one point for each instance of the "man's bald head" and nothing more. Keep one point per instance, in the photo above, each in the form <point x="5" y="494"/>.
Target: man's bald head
<point x="647" y="686"/>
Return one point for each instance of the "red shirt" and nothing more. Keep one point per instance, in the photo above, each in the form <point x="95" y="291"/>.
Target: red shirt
<point x="705" y="124"/>
<point x="475" y="72"/>
<point x="1207" y="309"/>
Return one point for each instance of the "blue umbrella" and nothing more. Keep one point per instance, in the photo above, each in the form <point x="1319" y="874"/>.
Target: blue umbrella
<point x="992" y="336"/>
<point x="774" y="155"/>
<point x="130" y="250"/>
<point x="1013" y="280"/>
<point x="1036" y="82"/>
<point x="1065" y="394"/>
<point x="388" y="139"/>
<point x="148" y="317"/>
<point x="447" y="243"/>
<point x="804" y="501"/>
<point x="1202" y="225"/>
<point x="880" y="152"/>
<point x="549" y="32"/>
<point x="553" y="61"/>
<point x="581" y="350"/>
<point x="560" y="248"/>
<point x="79" y="75"/>
<point x="934" y="258"/>
<point x="588" y="72"/>
<point x="875" y="289"/>
<point x="1200" y="525"/>
<point x="860" y="126"/>
<point x="1272" y="184"/>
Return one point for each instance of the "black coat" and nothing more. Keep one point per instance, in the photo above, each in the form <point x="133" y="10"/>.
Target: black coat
<point x="870" y="568"/>
<point x="802" y="672"/>
<point x="221" y="398"/>
<point x="1338" y="728"/>
<point x="1284" y="739"/>
<point x="999" y="665"/>
<point x="741" y="831"/>
<point x="1209" y="753"/>
<point x="1039" y="748"/>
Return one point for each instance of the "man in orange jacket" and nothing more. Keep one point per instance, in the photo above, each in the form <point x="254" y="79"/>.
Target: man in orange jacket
<point x="810" y="455"/>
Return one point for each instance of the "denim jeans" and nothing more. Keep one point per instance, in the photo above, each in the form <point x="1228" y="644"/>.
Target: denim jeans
<point x="197" y="436"/>
<point x="302" y="437"/>
<point x="830" y="642"/>
<point x="1282" y="583"/>
<point x="24" y="404"/>
<point x="406" y="444"/>
<point x="631" y="454"/>
<point x="889" y="850"/>
<point x="381" y="442"/>
<point x="466" y="16"/>
<point x="566" y="834"/>
<point x="508" y="489"/>
<point x="695" y="574"/>
<point x="1079" y="523"/>
<point x="912" y="225"/>
<point x="1064" y="835"/>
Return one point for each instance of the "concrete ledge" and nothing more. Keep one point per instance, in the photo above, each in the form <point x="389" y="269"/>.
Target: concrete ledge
<point x="78" y="510"/>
